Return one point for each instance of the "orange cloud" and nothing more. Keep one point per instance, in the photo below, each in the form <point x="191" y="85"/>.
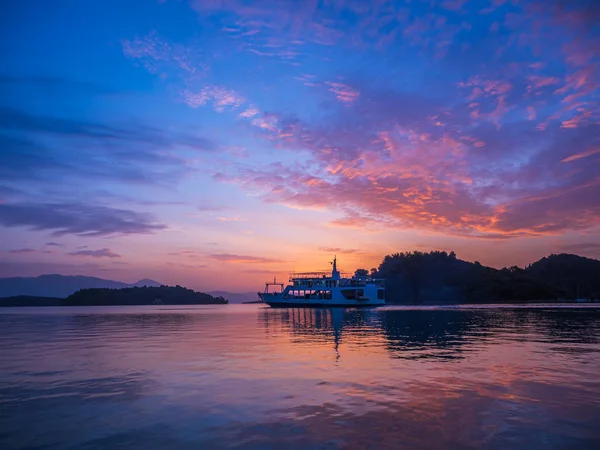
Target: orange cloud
<point x="585" y="154"/>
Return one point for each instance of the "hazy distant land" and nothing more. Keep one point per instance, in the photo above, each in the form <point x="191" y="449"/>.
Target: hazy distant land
<point x="52" y="290"/>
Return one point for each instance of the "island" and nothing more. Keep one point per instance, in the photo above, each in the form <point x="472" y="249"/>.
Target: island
<point x="163" y="295"/>
<point x="439" y="277"/>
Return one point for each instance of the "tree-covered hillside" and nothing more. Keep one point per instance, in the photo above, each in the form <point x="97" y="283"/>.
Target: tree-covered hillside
<point x="167" y="295"/>
<point x="440" y="277"/>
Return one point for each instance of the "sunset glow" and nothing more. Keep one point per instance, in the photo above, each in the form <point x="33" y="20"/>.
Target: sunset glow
<point x="217" y="144"/>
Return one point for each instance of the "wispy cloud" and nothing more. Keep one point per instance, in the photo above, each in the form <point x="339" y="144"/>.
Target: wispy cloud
<point x="38" y="148"/>
<point x="584" y="154"/>
<point x="79" y="219"/>
<point x="54" y="244"/>
<point x="242" y="259"/>
<point x="185" y="253"/>
<point x="343" y="92"/>
<point x="221" y="98"/>
<point x="158" y="56"/>
<point x="22" y="251"/>
<point x="102" y="253"/>
<point x="346" y="251"/>
<point x="213" y="208"/>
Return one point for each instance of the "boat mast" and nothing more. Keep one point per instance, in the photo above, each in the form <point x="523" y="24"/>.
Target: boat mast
<point x="334" y="273"/>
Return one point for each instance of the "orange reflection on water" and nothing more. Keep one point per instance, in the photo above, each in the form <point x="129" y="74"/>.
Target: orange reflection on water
<point x="254" y="377"/>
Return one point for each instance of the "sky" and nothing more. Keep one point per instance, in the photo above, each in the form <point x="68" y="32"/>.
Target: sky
<point x="217" y="143"/>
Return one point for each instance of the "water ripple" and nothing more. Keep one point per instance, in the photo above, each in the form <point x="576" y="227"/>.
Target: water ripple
<point x="250" y="377"/>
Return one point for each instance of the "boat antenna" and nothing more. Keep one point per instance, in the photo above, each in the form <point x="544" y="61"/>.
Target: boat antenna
<point x="334" y="272"/>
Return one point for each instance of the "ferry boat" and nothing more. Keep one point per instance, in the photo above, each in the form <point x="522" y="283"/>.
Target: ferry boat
<point x="322" y="289"/>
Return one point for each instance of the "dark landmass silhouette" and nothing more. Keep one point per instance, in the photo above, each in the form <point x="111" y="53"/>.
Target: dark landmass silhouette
<point x="61" y="285"/>
<point x="30" y="300"/>
<point x="439" y="277"/>
<point x="411" y="278"/>
<point x="163" y="295"/>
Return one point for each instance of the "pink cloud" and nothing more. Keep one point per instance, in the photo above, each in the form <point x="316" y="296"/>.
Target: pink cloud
<point x="185" y="253"/>
<point x="160" y="57"/>
<point x="585" y="154"/>
<point x="343" y="92"/>
<point x="242" y="259"/>
<point x="465" y="163"/>
<point x="221" y="98"/>
<point x="538" y="82"/>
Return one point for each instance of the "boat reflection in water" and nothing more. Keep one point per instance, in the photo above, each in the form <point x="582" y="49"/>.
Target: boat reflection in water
<point x="253" y="377"/>
<point x="439" y="378"/>
<point x="321" y="325"/>
<point x="406" y="333"/>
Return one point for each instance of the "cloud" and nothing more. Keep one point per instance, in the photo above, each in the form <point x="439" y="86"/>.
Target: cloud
<point x="78" y="219"/>
<point x="242" y="259"/>
<point x="40" y="148"/>
<point x="22" y="251"/>
<point x="102" y="253"/>
<point x="343" y="92"/>
<point x="466" y="177"/>
<point x="346" y="251"/>
<point x="213" y="208"/>
<point x="186" y="253"/>
<point x="187" y="266"/>
<point x="232" y="219"/>
<point x="6" y="191"/>
<point x="220" y="97"/>
<point x="54" y="244"/>
<point x="261" y="272"/>
<point x="485" y="128"/>
<point x="160" y="57"/>
<point x="584" y="154"/>
<point x="15" y="120"/>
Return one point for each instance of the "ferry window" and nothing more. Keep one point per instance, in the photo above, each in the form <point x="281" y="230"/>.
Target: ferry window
<point x="380" y="294"/>
<point x="349" y="294"/>
<point x="360" y="293"/>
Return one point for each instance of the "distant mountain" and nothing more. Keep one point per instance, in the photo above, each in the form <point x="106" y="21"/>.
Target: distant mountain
<point x="236" y="297"/>
<point x="60" y="285"/>
<point x="147" y="283"/>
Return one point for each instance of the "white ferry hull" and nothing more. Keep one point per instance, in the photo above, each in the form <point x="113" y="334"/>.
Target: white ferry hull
<point x="279" y="301"/>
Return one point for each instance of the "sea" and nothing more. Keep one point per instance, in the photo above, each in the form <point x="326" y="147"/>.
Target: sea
<point x="254" y="377"/>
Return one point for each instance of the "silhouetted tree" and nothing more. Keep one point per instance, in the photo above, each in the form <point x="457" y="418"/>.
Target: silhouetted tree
<point x="413" y="277"/>
<point x="167" y="295"/>
<point x="361" y="273"/>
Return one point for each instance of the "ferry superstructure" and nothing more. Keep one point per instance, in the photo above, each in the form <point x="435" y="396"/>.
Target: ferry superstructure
<point x="322" y="289"/>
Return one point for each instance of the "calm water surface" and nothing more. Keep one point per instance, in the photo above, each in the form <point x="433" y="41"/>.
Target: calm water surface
<point x="250" y="377"/>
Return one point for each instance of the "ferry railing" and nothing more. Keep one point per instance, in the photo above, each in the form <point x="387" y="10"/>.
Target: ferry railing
<point x="315" y="275"/>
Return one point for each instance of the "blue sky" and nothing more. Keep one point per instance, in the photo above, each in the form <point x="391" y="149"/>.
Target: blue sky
<point x="217" y="143"/>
